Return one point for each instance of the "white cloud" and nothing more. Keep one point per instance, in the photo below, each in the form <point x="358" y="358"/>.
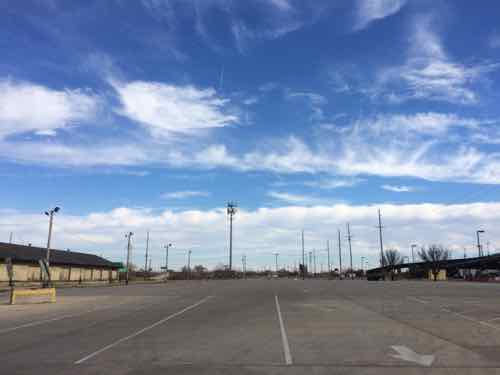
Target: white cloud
<point x="185" y="194"/>
<point x="429" y="73"/>
<point x="27" y="107"/>
<point x="368" y="11"/>
<point x="205" y="231"/>
<point x="251" y="100"/>
<point x="398" y="189"/>
<point x="295" y="198"/>
<point x="167" y="110"/>
<point x="333" y="183"/>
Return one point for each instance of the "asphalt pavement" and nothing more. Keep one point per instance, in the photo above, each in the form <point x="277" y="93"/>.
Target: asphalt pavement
<point x="258" y="327"/>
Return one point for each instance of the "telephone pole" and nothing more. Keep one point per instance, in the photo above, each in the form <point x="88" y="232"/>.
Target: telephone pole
<point x="350" y="248"/>
<point x="382" y="263"/>
<point x="303" y="258"/>
<point x="231" y="211"/>
<point x="340" y="257"/>
<point x="128" y="236"/>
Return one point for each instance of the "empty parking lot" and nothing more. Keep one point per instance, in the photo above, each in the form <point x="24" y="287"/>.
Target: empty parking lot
<point x="258" y="326"/>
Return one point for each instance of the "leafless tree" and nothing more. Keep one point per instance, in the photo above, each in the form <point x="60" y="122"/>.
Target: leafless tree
<point x="391" y="258"/>
<point x="434" y="256"/>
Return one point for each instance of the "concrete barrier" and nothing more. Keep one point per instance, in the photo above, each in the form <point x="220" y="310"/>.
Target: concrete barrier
<point x="49" y="292"/>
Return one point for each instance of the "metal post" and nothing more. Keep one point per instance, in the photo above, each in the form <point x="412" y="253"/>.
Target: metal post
<point x="310" y="261"/>
<point x="189" y="264"/>
<point x="413" y="253"/>
<point x="129" y="236"/>
<point x="276" y="261"/>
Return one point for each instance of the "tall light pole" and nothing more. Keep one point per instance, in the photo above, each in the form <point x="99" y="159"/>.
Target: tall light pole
<point x="310" y="261"/>
<point x="382" y="263"/>
<point x="413" y="246"/>
<point x="50" y="214"/>
<point x="340" y="257"/>
<point x="328" y="251"/>
<point x="276" y="261"/>
<point x="350" y="248"/>
<point x="244" y="265"/>
<point x="479" y="249"/>
<point x="231" y="211"/>
<point x="128" y="236"/>
<point x="303" y="258"/>
<point x="363" y="264"/>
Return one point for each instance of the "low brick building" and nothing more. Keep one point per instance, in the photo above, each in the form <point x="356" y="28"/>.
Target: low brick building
<point x="65" y="266"/>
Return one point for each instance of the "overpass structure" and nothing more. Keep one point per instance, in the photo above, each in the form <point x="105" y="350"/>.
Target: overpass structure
<point x="464" y="268"/>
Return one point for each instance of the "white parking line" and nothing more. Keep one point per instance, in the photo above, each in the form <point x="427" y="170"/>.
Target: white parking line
<point x="97" y="352"/>
<point x="284" y="338"/>
<point x="55" y="319"/>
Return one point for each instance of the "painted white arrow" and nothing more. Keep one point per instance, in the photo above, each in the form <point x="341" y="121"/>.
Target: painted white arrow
<point x="406" y="354"/>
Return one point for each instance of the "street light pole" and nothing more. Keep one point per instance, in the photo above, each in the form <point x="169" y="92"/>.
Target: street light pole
<point x="50" y="214"/>
<point x="129" y="237"/>
<point x="189" y="264"/>
<point x="328" y="250"/>
<point x="276" y="261"/>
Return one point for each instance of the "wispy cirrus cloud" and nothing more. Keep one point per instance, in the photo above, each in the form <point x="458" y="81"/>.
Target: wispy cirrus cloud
<point x="429" y="73"/>
<point x="369" y="11"/>
<point x="167" y="110"/>
<point x="398" y="188"/>
<point x="27" y="107"/>
<point x="184" y="194"/>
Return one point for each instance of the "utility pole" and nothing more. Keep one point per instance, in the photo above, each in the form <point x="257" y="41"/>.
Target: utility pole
<point x="231" y="211"/>
<point x="10" y="237"/>
<point x="350" y="248"/>
<point x="363" y="264"/>
<point x="340" y="257"/>
<point x="479" y="248"/>
<point x="413" y="253"/>
<point x="328" y="251"/>
<point x="303" y="258"/>
<point x="147" y="250"/>
<point x="129" y="237"/>
<point x="382" y="263"/>
<point x="276" y="261"/>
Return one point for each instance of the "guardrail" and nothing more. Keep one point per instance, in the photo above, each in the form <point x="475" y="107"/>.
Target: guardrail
<point x="49" y="292"/>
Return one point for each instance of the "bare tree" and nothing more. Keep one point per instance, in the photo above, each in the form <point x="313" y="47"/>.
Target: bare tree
<point x="391" y="258"/>
<point x="434" y="256"/>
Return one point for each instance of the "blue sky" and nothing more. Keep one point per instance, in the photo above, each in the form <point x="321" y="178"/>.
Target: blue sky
<point x="150" y="115"/>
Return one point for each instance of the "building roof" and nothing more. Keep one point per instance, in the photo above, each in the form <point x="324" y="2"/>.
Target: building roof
<point x="21" y="253"/>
